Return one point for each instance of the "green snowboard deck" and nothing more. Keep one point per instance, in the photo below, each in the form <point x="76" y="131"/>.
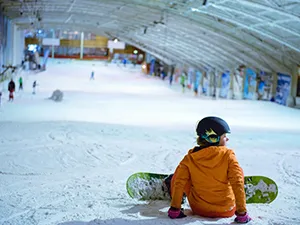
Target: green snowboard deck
<point x="148" y="186"/>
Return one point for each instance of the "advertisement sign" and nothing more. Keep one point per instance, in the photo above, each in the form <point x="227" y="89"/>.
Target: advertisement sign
<point x="265" y="81"/>
<point x="283" y="88"/>
<point x="238" y="77"/>
<point x="225" y="84"/>
<point x="198" y="77"/>
<point x="205" y="85"/>
<point x="261" y="83"/>
<point x="152" y="67"/>
<point x="190" y="77"/>
<point x="51" y="41"/>
<point x="46" y="56"/>
<point x="116" y="44"/>
<point x="249" y="84"/>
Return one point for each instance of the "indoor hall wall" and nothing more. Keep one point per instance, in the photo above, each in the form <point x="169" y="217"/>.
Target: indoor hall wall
<point x="14" y="48"/>
<point x="11" y="43"/>
<point x="8" y="47"/>
<point x="18" y="46"/>
<point x="1" y="39"/>
<point x="4" y="53"/>
<point x="97" y="43"/>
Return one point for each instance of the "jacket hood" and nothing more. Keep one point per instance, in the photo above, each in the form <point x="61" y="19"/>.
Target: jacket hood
<point x="209" y="157"/>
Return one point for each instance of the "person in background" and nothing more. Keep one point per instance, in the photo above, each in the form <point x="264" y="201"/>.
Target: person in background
<point x="92" y="75"/>
<point x="11" y="89"/>
<point x="34" y="87"/>
<point x="20" y="83"/>
<point x="197" y="79"/>
<point x="183" y="80"/>
<point x="171" y="75"/>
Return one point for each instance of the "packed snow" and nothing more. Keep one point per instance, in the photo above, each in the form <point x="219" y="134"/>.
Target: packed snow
<point x="66" y="163"/>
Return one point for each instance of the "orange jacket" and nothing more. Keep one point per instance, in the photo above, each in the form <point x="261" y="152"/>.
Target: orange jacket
<point x="212" y="180"/>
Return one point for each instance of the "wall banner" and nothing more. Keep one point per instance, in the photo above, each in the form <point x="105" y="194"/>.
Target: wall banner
<point x="225" y="84"/>
<point x="249" y="84"/>
<point x="283" y="88"/>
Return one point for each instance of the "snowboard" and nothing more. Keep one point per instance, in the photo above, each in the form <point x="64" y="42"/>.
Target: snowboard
<point x="149" y="186"/>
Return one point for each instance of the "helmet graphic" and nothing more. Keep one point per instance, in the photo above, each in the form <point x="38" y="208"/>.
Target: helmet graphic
<point x="212" y="128"/>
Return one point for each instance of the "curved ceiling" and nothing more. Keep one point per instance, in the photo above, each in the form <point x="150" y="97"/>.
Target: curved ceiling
<point x="222" y="34"/>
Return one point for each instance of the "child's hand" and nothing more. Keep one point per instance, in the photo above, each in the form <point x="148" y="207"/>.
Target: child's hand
<point x="175" y="213"/>
<point x="242" y="217"/>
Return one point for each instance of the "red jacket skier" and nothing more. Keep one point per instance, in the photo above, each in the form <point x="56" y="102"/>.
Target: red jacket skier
<point x="11" y="89"/>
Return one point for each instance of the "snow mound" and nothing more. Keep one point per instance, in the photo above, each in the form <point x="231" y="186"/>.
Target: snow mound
<point x="57" y="96"/>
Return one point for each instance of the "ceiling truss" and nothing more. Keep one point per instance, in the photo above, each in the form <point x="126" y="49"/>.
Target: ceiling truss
<point x="223" y="34"/>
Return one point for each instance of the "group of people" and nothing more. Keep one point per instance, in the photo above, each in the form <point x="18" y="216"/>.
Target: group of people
<point x="12" y="88"/>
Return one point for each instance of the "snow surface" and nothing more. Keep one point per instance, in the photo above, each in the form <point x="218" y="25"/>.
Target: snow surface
<point x="67" y="163"/>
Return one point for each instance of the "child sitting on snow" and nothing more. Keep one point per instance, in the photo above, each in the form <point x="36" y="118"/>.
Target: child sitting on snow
<point x="210" y="176"/>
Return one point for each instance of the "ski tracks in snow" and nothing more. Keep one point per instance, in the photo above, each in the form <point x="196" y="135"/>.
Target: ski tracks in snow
<point x="77" y="172"/>
<point x="289" y="168"/>
<point x="289" y="186"/>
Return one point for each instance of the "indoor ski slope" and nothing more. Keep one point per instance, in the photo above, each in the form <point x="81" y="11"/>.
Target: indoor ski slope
<point x="67" y="163"/>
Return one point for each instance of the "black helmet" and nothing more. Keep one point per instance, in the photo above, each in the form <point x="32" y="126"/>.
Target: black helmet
<point x="212" y="128"/>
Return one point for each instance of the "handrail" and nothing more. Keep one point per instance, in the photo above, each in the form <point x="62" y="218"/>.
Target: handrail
<point x="3" y="74"/>
<point x="7" y="68"/>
